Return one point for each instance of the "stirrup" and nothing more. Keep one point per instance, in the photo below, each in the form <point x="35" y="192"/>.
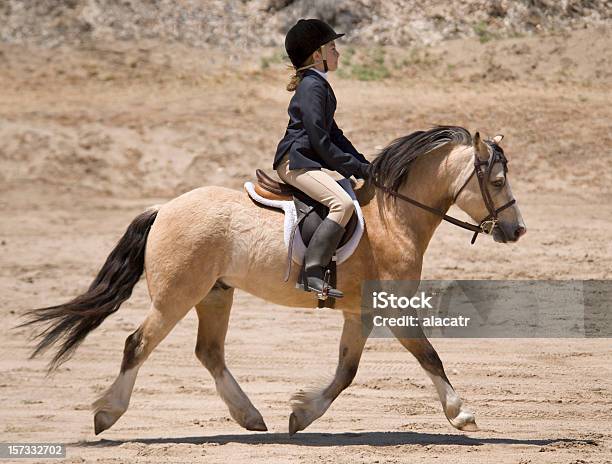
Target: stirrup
<point x="323" y="294"/>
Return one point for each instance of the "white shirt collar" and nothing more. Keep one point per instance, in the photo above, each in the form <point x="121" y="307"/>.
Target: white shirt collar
<point x="324" y="74"/>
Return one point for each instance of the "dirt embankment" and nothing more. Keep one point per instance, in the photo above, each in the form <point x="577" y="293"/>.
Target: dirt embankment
<point x="260" y="23"/>
<point x="159" y="119"/>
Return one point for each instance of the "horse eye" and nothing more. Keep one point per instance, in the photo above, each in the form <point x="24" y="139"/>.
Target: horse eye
<point x="498" y="183"/>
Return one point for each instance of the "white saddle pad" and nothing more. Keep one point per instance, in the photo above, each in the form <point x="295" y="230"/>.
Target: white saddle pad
<point x="342" y="254"/>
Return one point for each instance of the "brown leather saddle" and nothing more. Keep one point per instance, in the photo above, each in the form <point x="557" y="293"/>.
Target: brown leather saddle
<point x="310" y="214"/>
<point x="273" y="189"/>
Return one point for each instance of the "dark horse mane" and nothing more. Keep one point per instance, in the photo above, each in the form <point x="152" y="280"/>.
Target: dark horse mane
<point x="391" y="167"/>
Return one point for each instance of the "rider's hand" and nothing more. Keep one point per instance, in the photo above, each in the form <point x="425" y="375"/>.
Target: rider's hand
<point x="365" y="171"/>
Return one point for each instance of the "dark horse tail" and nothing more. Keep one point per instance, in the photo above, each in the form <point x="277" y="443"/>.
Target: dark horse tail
<point x="68" y="324"/>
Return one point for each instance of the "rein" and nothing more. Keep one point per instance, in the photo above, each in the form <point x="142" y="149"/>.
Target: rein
<point x="488" y="223"/>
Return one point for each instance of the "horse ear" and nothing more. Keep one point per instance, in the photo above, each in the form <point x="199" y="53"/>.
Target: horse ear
<point x="498" y="138"/>
<point x="480" y="149"/>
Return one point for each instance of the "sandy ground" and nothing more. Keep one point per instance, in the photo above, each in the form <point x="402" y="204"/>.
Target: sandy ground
<point x="81" y="156"/>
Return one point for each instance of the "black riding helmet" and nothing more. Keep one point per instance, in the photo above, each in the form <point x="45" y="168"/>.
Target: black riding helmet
<point x="305" y="37"/>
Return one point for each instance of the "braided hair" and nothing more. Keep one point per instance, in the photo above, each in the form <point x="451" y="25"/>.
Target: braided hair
<point x="296" y="78"/>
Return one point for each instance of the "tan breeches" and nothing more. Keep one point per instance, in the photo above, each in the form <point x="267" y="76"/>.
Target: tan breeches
<point x="321" y="186"/>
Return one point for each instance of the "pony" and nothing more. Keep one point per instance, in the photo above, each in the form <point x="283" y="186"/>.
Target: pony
<point x="197" y="248"/>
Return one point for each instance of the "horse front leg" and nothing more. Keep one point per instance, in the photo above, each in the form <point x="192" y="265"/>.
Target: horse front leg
<point x="308" y="406"/>
<point x="459" y="416"/>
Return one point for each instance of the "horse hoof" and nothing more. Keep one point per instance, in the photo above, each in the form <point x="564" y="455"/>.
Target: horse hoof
<point x="470" y="427"/>
<point x="465" y="422"/>
<point x="256" y="425"/>
<point x="103" y="421"/>
<point x="293" y="424"/>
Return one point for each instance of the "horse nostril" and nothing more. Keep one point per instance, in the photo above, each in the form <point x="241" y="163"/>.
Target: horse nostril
<point x="520" y="231"/>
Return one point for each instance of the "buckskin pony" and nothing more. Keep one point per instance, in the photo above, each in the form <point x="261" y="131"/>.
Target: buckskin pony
<point x="197" y="248"/>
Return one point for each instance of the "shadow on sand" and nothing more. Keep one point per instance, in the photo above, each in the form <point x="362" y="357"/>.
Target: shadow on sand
<point x="338" y="439"/>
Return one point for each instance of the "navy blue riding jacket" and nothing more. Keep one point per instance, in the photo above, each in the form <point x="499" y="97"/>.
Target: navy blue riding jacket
<point x="313" y="138"/>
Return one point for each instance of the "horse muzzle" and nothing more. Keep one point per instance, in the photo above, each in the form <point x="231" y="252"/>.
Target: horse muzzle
<point x="503" y="233"/>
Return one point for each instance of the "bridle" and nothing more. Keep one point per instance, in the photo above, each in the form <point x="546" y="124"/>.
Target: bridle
<point x="488" y="223"/>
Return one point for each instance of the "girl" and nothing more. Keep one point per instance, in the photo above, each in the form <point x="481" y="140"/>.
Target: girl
<point x="313" y="141"/>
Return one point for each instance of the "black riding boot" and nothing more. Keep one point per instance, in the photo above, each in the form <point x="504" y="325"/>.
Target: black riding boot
<point x="319" y="253"/>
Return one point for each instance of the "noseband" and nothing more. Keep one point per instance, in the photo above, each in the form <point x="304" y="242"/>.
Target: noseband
<point x="488" y="223"/>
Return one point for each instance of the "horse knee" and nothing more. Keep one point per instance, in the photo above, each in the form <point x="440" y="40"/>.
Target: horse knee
<point x="430" y="361"/>
<point x="348" y="376"/>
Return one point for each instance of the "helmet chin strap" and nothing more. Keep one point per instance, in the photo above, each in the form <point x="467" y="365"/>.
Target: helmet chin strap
<point x="323" y="50"/>
<point x="324" y="55"/>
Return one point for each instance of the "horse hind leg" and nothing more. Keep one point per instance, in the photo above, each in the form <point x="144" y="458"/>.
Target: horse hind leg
<point x="138" y="346"/>
<point x="213" y="316"/>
